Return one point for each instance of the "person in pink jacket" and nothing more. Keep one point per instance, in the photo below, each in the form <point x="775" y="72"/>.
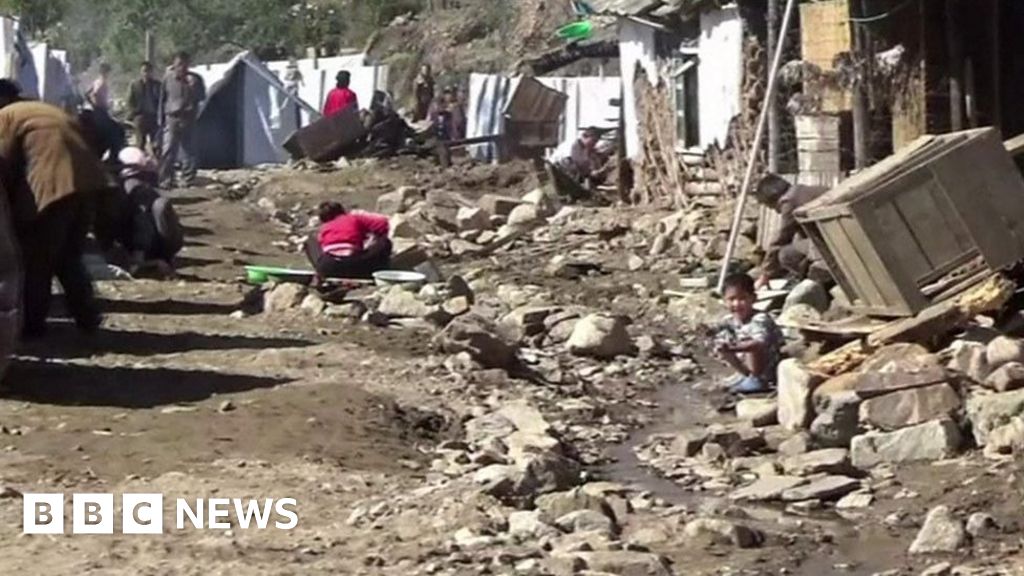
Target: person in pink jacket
<point x="349" y="244"/>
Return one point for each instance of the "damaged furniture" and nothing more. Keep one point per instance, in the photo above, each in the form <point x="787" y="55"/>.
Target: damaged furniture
<point x="923" y="225"/>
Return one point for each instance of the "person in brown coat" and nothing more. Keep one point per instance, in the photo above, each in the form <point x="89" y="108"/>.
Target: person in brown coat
<point x="789" y="251"/>
<point x="51" y="176"/>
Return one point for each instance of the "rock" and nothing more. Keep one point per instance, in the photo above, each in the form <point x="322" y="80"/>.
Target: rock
<point x="400" y="303"/>
<point x="899" y="357"/>
<point x="313" y="305"/>
<point x="940" y="569"/>
<point x="476" y="335"/>
<point x="472" y="219"/>
<point x="980" y="525"/>
<point x="795" y="385"/>
<point x="457" y="306"/>
<point x="652" y="347"/>
<point x="635" y="263"/>
<point x="493" y="425"/>
<point x="398" y="201"/>
<point x="828" y="461"/>
<point x="810" y="293"/>
<point x="911" y="407"/>
<point x="526" y="418"/>
<point x="873" y="384"/>
<point x="855" y="501"/>
<point x="936" y="440"/>
<point x="719" y="531"/>
<point x="992" y="411"/>
<point x="403" y="226"/>
<point x="838" y="420"/>
<point x="558" y="504"/>
<point x="527" y="321"/>
<point x="496" y="205"/>
<point x="766" y="489"/>
<point x="586" y="521"/>
<point x="600" y="336"/>
<point x="407" y="255"/>
<point x="1006" y="439"/>
<point x="689" y="442"/>
<point x="758" y="411"/>
<point x="546" y="205"/>
<point x="969" y="359"/>
<point x="548" y="473"/>
<point x="460" y="247"/>
<point x="524" y="216"/>
<point x="1006" y="378"/>
<point x="457" y="286"/>
<point x="799" y="443"/>
<point x="799" y="315"/>
<point x="351" y="310"/>
<point x="942" y="533"/>
<point x="283" y="297"/>
<point x="528" y="526"/>
<point x="1003" y="350"/>
<point x="624" y="563"/>
<point x="825" y="489"/>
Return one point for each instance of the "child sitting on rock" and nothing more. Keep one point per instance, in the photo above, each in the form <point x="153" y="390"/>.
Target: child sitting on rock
<point x="749" y="341"/>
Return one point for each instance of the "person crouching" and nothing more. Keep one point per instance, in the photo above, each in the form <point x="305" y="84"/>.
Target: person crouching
<point x="349" y="244"/>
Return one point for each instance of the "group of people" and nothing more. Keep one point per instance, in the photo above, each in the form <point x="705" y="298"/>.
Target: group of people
<point x="66" y="176"/>
<point x="446" y="111"/>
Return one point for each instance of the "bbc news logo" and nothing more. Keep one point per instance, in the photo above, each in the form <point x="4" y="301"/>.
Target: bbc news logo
<point x="144" y="514"/>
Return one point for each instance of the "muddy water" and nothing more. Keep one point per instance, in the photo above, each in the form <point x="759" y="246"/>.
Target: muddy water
<point x="854" y="551"/>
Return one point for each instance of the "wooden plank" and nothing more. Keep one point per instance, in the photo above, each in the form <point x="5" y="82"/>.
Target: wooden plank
<point x="872" y="262"/>
<point x="901" y="253"/>
<point x="938" y="246"/>
<point x="846" y="254"/>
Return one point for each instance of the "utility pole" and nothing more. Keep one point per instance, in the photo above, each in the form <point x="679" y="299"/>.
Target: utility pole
<point x="954" y="43"/>
<point x="150" y="47"/>
<point x="774" y="121"/>
<point x="861" y="113"/>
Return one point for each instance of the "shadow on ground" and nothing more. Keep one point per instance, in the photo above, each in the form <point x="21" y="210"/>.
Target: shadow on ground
<point x="76" y="385"/>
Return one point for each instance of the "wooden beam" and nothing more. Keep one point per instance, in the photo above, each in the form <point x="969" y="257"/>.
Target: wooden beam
<point x="954" y="44"/>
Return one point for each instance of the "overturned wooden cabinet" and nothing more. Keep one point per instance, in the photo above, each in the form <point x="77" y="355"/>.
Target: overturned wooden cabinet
<point x="922" y="225"/>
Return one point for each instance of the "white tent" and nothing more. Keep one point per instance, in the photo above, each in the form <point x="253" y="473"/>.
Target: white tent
<point x="247" y="116"/>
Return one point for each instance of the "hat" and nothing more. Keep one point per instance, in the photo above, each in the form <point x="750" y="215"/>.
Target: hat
<point x="137" y="157"/>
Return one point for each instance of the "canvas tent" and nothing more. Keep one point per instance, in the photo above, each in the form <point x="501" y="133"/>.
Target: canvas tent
<point x="247" y="116"/>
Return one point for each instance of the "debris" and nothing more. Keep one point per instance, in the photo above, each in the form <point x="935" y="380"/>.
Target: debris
<point x="809" y="293"/>
<point x="855" y="501"/>
<point x="1006" y="378"/>
<point x="980" y="525"/>
<point x="988" y="412"/>
<point x="624" y="563"/>
<point x="837" y="420"/>
<point x="767" y="489"/>
<point x="473" y="219"/>
<point x="826" y="488"/>
<point x="227" y="406"/>
<point x="1004" y="350"/>
<point x="398" y="201"/>
<point x="828" y="461"/>
<point x="969" y="359"/>
<point x="283" y="297"/>
<point x="497" y="205"/>
<point x="476" y="335"/>
<point x="1006" y="439"/>
<point x="759" y="412"/>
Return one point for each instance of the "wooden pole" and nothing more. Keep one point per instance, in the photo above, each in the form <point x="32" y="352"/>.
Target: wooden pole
<point x="150" y="47"/>
<point x="861" y="113"/>
<point x="997" y="67"/>
<point x="774" y="121"/>
<point x="762" y="123"/>
<point x="956" y="66"/>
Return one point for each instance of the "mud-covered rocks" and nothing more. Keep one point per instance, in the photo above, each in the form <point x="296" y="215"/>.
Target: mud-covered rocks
<point x="942" y="532"/>
<point x="991" y="411"/>
<point x="283" y="298"/>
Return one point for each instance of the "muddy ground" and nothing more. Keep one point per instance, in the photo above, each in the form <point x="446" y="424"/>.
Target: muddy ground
<point x="181" y="393"/>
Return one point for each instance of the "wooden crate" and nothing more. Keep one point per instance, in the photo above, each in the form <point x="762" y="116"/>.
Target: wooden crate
<point x="918" y="226"/>
<point x="328" y="138"/>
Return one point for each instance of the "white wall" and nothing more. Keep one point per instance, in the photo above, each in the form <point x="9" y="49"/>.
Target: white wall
<point x="719" y="73"/>
<point x="637" y="53"/>
<point x="589" y="104"/>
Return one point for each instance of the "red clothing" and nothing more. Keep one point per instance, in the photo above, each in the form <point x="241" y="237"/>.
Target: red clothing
<point x="339" y="100"/>
<point x="347" y="234"/>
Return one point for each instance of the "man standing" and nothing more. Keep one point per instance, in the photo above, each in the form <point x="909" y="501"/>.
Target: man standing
<point x="98" y="94"/>
<point x="143" y="106"/>
<point x="181" y="96"/>
<point x="51" y="176"/>
<point x="342" y="97"/>
<point x="424" y="91"/>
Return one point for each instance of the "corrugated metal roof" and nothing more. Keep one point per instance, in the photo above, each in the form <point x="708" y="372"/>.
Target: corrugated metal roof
<point x="658" y="8"/>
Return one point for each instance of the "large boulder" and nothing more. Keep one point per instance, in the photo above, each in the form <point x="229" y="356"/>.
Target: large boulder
<point x="479" y="337"/>
<point x="878" y="383"/>
<point x="969" y="359"/>
<point x="720" y="531"/>
<point x="284" y="298"/>
<point x="1006" y="378"/>
<point x="899" y="357"/>
<point x="10" y="287"/>
<point x="910" y="407"/>
<point x="837" y="420"/>
<point x="936" y="440"/>
<point x="796" y="384"/>
<point x="601" y="336"/>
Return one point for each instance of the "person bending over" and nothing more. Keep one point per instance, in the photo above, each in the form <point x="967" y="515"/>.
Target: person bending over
<point x="748" y="341"/>
<point x="349" y="244"/>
